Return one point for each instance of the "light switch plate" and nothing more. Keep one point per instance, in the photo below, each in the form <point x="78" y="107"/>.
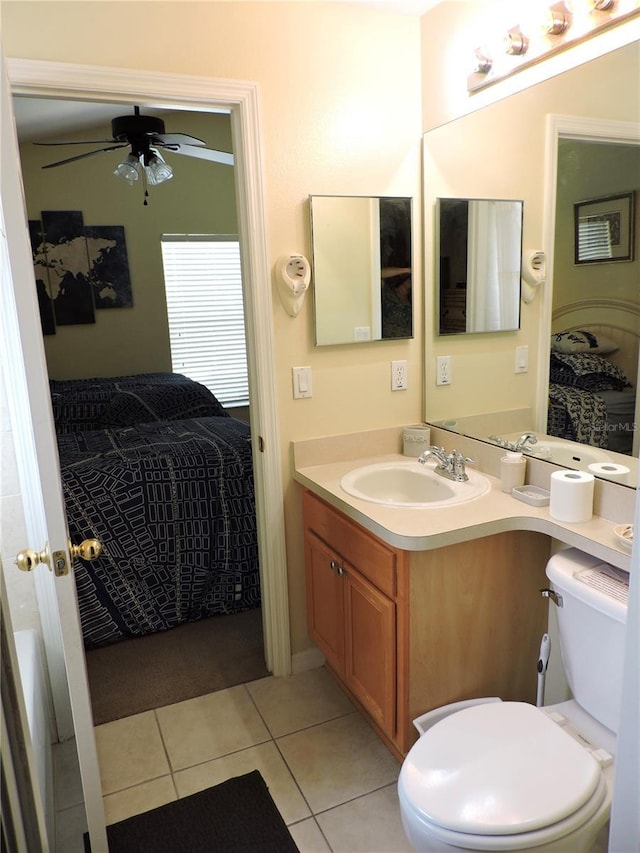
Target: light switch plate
<point x="522" y="359"/>
<point x="301" y="377"/>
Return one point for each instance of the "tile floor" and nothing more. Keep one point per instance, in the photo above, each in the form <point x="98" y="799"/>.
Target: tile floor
<point x="330" y="776"/>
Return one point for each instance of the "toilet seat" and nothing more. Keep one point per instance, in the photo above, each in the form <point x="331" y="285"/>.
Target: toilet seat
<point x="485" y="775"/>
<point x="522" y="841"/>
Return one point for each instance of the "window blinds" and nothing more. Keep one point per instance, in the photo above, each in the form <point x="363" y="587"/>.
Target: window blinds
<point x="203" y="284"/>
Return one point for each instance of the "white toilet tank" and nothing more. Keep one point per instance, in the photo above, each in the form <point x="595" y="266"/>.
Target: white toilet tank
<point x="591" y="623"/>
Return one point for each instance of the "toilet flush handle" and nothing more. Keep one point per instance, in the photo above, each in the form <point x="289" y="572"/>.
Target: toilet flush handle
<point x="553" y="595"/>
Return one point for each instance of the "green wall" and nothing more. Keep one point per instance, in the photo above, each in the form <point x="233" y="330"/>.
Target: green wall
<point x="199" y="199"/>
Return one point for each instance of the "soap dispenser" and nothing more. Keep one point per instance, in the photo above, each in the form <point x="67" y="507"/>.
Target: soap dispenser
<point x="512" y="470"/>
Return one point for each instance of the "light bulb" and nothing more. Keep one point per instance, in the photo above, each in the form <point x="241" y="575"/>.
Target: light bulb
<point x="128" y="170"/>
<point x="516" y="43"/>
<point x="156" y="170"/>
<point x="482" y="61"/>
<point x="556" y="22"/>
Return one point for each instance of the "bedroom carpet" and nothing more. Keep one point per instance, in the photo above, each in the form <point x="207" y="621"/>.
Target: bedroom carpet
<point x="236" y="816"/>
<point x="190" y="660"/>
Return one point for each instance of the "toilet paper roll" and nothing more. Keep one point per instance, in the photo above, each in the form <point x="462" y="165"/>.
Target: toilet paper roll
<point x="571" y="496"/>
<point x="611" y="471"/>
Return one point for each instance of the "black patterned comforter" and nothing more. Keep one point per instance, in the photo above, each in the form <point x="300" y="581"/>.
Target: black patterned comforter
<point x="105" y="402"/>
<point x="583" y="387"/>
<point x="577" y="415"/>
<point x="173" y="505"/>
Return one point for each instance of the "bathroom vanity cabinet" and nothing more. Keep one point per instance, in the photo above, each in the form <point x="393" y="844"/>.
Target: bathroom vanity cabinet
<point x="405" y="632"/>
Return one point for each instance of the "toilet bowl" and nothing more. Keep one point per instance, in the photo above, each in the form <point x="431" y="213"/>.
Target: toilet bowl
<point x="492" y="775"/>
<point x="506" y="776"/>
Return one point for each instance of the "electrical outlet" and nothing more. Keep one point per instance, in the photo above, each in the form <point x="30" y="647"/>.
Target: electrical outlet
<point x="398" y="375"/>
<point x="443" y="370"/>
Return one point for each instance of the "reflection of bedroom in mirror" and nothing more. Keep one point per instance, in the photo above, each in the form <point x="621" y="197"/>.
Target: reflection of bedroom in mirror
<point x="566" y="135"/>
<point x="362" y="261"/>
<point x="479" y="264"/>
<point x="143" y="437"/>
<point x="593" y="366"/>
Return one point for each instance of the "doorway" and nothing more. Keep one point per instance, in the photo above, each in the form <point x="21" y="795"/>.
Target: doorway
<point x="57" y="79"/>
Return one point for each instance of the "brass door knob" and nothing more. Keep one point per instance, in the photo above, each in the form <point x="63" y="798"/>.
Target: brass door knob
<point x="88" y="549"/>
<point x="27" y="559"/>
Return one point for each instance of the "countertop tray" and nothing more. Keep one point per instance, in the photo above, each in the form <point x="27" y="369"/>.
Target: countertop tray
<point x="533" y="495"/>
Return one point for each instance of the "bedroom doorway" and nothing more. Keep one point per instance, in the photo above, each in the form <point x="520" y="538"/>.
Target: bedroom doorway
<point x="53" y="80"/>
<point x="603" y="294"/>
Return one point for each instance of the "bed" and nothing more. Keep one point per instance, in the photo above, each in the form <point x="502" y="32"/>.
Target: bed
<point x="155" y="469"/>
<point x="592" y="399"/>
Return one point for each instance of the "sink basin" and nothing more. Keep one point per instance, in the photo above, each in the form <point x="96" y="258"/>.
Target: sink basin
<point x="568" y="453"/>
<point x="411" y="484"/>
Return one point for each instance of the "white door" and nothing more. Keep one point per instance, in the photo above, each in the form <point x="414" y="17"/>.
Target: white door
<point x="24" y="366"/>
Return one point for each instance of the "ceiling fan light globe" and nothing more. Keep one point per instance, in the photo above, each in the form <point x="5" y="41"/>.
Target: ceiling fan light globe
<point x="157" y="171"/>
<point x="128" y="170"/>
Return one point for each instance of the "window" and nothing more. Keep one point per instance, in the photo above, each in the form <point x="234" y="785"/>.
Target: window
<point x="203" y="283"/>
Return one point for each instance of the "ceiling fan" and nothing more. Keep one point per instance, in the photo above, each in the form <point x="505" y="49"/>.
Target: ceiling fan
<point x="145" y="135"/>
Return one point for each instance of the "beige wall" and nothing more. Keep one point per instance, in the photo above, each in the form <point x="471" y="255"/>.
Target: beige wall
<point x="199" y="200"/>
<point x="499" y="152"/>
<point x="340" y="109"/>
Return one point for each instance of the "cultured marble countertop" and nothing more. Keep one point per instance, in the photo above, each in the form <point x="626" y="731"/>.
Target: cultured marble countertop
<point x="420" y="529"/>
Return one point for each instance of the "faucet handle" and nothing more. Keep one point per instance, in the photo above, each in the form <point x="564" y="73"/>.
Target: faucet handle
<point x="461" y="457"/>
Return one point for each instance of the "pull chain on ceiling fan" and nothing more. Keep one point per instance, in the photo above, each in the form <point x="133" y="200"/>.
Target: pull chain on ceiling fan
<point x="144" y="135"/>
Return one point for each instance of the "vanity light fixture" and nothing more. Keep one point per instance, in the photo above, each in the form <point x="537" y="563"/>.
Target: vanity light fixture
<point x="546" y="28"/>
<point x="516" y="43"/>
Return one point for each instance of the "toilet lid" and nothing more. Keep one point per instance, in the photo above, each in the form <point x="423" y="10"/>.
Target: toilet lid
<point x="498" y="769"/>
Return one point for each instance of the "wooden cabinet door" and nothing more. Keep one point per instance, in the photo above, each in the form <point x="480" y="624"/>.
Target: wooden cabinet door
<point x="370" y="653"/>
<point x="325" y="608"/>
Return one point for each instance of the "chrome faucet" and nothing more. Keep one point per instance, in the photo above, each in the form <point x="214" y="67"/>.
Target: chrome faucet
<point x="451" y="466"/>
<point x="523" y="443"/>
<point x="525" y="440"/>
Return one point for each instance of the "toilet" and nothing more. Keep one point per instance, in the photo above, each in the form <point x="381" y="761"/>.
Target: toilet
<point x="492" y="775"/>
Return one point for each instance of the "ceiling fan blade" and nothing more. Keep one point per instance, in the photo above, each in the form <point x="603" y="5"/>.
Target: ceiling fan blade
<point x="78" y="142"/>
<point x="82" y="156"/>
<point x="204" y="154"/>
<point x="176" y="139"/>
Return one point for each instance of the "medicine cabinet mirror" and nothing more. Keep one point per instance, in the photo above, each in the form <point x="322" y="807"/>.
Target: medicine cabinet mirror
<point x="479" y="263"/>
<point x="362" y="268"/>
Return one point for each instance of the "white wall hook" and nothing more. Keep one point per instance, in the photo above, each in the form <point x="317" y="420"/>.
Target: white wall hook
<point x="534" y="272"/>
<point x="293" y="276"/>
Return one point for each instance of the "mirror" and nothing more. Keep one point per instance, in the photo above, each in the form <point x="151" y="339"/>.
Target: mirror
<point x="362" y="261"/>
<point x="511" y="139"/>
<point x="479" y="263"/>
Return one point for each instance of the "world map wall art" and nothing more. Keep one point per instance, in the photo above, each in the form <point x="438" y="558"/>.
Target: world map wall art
<point x="79" y="268"/>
